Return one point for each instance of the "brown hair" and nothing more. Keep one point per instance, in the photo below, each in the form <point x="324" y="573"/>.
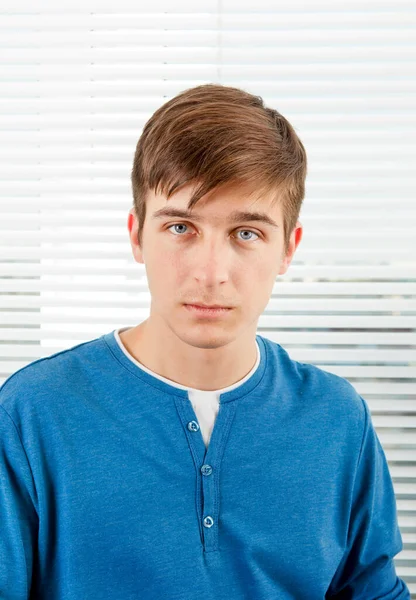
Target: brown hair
<point x="216" y="134"/>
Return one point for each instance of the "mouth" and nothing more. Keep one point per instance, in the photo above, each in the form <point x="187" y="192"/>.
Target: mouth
<point x="207" y="311"/>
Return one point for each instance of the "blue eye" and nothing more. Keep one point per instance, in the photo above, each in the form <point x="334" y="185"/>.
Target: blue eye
<point x="249" y="231"/>
<point x="176" y="225"/>
<point x="184" y="225"/>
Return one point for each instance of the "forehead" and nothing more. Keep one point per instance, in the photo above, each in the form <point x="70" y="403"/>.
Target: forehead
<point x="231" y="206"/>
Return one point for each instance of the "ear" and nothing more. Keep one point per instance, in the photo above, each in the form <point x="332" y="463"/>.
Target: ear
<point x="294" y="241"/>
<point x="133" y="227"/>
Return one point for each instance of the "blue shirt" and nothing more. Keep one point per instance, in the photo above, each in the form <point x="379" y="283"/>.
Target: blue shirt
<point x="108" y="490"/>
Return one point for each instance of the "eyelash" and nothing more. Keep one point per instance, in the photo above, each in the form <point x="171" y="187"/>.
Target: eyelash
<point x="241" y="229"/>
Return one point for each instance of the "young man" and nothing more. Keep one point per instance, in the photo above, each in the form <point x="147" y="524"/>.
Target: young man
<point x="188" y="457"/>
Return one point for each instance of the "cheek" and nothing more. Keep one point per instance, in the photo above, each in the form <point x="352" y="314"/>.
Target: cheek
<point x="263" y="279"/>
<point x="262" y="270"/>
<point x="164" y="271"/>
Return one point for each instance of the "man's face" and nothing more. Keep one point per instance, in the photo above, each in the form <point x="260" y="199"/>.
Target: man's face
<point x="211" y="260"/>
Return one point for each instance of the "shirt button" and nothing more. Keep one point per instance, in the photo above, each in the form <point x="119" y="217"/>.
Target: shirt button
<point x="193" y="426"/>
<point x="208" y="521"/>
<point x="206" y="469"/>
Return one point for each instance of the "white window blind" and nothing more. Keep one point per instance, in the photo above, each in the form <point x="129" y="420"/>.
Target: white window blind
<point x="78" y="82"/>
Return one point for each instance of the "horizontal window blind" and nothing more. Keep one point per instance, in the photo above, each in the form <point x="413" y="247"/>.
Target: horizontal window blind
<point x="78" y="82"/>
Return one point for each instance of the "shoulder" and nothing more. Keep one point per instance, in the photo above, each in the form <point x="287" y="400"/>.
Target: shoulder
<point x="331" y="395"/>
<point x="46" y="377"/>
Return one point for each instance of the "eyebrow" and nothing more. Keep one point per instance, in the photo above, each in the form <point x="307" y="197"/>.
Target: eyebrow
<point x="235" y="217"/>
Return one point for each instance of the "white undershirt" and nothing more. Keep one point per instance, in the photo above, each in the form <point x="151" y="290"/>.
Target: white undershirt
<point x="204" y="403"/>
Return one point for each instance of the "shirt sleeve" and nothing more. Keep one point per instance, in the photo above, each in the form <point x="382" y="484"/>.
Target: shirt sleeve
<point x="18" y="514"/>
<point x="366" y="570"/>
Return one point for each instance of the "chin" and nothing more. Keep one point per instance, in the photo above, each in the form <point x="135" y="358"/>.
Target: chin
<point x="206" y="339"/>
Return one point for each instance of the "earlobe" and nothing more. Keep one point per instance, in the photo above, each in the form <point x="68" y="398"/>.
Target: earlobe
<point x="137" y="250"/>
<point x="138" y="254"/>
<point x="295" y="239"/>
<point x="284" y="267"/>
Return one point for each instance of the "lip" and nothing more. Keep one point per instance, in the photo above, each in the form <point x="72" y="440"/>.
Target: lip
<point x="212" y="306"/>
<point x="207" y="312"/>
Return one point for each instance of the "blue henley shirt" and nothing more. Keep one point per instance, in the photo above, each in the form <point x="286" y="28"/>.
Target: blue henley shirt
<point x="108" y="491"/>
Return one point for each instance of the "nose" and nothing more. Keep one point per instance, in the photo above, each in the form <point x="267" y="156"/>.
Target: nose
<point x="210" y="261"/>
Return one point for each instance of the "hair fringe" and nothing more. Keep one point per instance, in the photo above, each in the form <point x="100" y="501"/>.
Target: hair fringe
<point x="213" y="135"/>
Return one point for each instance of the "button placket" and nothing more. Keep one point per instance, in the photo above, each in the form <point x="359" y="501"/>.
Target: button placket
<point x="207" y="461"/>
